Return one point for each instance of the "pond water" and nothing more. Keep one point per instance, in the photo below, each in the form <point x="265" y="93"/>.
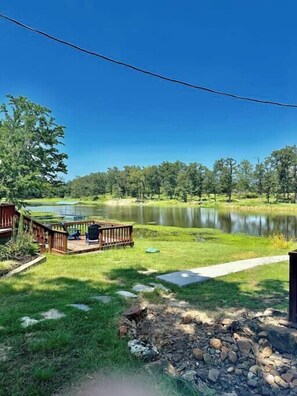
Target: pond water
<point x="227" y="221"/>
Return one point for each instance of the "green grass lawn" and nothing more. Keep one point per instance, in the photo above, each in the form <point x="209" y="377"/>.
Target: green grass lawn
<point x="51" y="355"/>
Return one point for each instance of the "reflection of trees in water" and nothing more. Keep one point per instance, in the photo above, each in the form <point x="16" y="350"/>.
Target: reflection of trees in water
<point x="230" y="222"/>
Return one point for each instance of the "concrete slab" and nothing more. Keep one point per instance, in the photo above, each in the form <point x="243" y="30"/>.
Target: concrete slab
<point x="198" y="275"/>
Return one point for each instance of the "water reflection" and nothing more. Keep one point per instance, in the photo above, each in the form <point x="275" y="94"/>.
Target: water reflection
<point x="230" y="222"/>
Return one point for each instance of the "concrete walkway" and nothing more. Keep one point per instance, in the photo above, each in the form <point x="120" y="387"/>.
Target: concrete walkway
<point x="197" y="275"/>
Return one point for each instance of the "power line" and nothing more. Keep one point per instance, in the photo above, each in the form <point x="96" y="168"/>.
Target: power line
<point x="138" y="69"/>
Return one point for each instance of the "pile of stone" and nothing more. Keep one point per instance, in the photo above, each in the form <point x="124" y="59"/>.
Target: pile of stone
<point x="246" y="356"/>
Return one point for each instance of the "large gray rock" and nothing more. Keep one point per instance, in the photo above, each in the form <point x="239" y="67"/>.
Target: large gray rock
<point x="282" y="339"/>
<point x="142" y="350"/>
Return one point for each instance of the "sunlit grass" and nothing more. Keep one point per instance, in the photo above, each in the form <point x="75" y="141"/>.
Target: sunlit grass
<point x="52" y="354"/>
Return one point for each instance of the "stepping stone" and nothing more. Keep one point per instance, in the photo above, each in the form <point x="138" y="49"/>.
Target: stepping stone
<point x="52" y="314"/>
<point x="81" y="307"/>
<point x="142" y="288"/>
<point x="126" y="294"/>
<point x="147" y="272"/>
<point x="103" y="299"/>
<point x="26" y="321"/>
<point x="4" y="353"/>
<point x="159" y="286"/>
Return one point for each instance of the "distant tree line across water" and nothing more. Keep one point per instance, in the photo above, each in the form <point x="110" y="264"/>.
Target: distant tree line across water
<point x="276" y="177"/>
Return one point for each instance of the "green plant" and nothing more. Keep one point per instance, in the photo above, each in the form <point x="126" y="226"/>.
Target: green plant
<point x="18" y="247"/>
<point x="281" y="242"/>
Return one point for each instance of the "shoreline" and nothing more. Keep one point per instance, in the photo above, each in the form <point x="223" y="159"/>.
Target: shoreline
<point x="245" y="205"/>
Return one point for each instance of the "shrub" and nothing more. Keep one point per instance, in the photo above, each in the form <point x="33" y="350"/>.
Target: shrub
<point x="18" y="248"/>
<point x="279" y="241"/>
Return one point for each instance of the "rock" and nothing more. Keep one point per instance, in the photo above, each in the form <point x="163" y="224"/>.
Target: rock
<point x="198" y="353"/>
<point x="282" y="339"/>
<point x="126" y="294"/>
<point x="215" y="343"/>
<point x="230" y="369"/>
<point x="143" y="288"/>
<point x="226" y="322"/>
<point x="251" y="375"/>
<point x="213" y="375"/>
<point x="234" y="347"/>
<point x="135" y="313"/>
<point x="26" y="321"/>
<point x="287" y="377"/>
<point x="223" y="356"/>
<point x="254" y="369"/>
<point x="52" y="314"/>
<point x="157" y="365"/>
<point x="147" y="272"/>
<point x="171" y="371"/>
<point x="207" y="358"/>
<point x="81" y="307"/>
<point x="189" y="375"/>
<point x="294" y="383"/>
<point x="232" y="357"/>
<point x="268" y="378"/>
<point x="252" y="383"/>
<point x="142" y="350"/>
<point x="262" y="334"/>
<point x="267" y="352"/>
<point x="186" y="319"/>
<point x="103" y="299"/>
<point x="238" y="371"/>
<point x="159" y="286"/>
<point x="123" y="330"/>
<point x="244" y="346"/>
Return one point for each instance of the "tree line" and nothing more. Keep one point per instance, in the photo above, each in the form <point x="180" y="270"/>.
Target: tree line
<point x="276" y="176"/>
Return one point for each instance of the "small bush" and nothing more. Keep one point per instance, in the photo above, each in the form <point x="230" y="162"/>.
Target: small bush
<point x="279" y="241"/>
<point x="18" y="248"/>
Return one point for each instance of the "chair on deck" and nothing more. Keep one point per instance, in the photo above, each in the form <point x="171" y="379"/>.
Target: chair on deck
<point x="71" y="234"/>
<point x="93" y="234"/>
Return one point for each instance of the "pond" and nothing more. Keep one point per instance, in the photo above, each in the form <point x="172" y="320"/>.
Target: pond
<point x="227" y="221"/>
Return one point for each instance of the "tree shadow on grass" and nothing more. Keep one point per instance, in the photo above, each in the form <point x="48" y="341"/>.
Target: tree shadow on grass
<point x="218" y="294"/>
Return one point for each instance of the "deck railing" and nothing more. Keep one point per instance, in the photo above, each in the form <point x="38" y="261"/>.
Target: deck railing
<point x="6" y="215"/>
<point x="47" y="239"/>
<point x="53" y="238"/>
<point x="110" y="234"/>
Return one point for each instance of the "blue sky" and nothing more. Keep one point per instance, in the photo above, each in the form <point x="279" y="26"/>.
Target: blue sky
<point x="114" y="116"/>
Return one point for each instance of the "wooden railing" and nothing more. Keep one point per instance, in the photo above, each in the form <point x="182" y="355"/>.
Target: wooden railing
<point x="47" y="239"/>
<point x="6" y="215"/>
<point x="109" y="234"/>
<point x="116" y="235"/>
<point x="53" y="238"/>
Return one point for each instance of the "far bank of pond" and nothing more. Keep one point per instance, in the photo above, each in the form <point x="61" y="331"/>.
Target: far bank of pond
<point x="228" y="221"/>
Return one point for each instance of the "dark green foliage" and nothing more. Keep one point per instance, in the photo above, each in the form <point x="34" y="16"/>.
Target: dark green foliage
<point x="30" y="159"/>
<point x="18" y="248"/>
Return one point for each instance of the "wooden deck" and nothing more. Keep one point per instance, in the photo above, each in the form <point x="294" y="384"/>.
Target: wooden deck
<point x="54" y="239"/>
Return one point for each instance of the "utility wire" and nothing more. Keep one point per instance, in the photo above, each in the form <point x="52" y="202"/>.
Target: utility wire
<point x="138" y="69"/>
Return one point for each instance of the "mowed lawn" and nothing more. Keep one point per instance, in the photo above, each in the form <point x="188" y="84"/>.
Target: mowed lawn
<point x="49" y="356"/>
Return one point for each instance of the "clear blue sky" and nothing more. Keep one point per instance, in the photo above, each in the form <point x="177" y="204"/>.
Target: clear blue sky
<point x="114" y="116"/>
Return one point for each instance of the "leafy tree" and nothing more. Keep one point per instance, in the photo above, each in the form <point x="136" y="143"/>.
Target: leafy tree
<point x="30" y="157"/>
<point x="183" y="185"/>
<point x="284" y="161"/>
<point x="225" y="172"/>
<point x="153" y="180"/>
<point x="259" y="177"/>
<point x="270" y="179"/>
<point x="244" y="173"/>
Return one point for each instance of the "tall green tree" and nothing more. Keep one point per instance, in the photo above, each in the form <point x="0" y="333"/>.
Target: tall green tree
<point x="30" y="143"/>
<point x="225" y="170"/>
<point x="244" y="177"/>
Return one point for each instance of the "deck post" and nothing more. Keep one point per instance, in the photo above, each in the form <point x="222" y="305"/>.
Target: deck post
<point x="293" y="287"/>
<point x="100" y="238"/>
<point x="131" y="236"/>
